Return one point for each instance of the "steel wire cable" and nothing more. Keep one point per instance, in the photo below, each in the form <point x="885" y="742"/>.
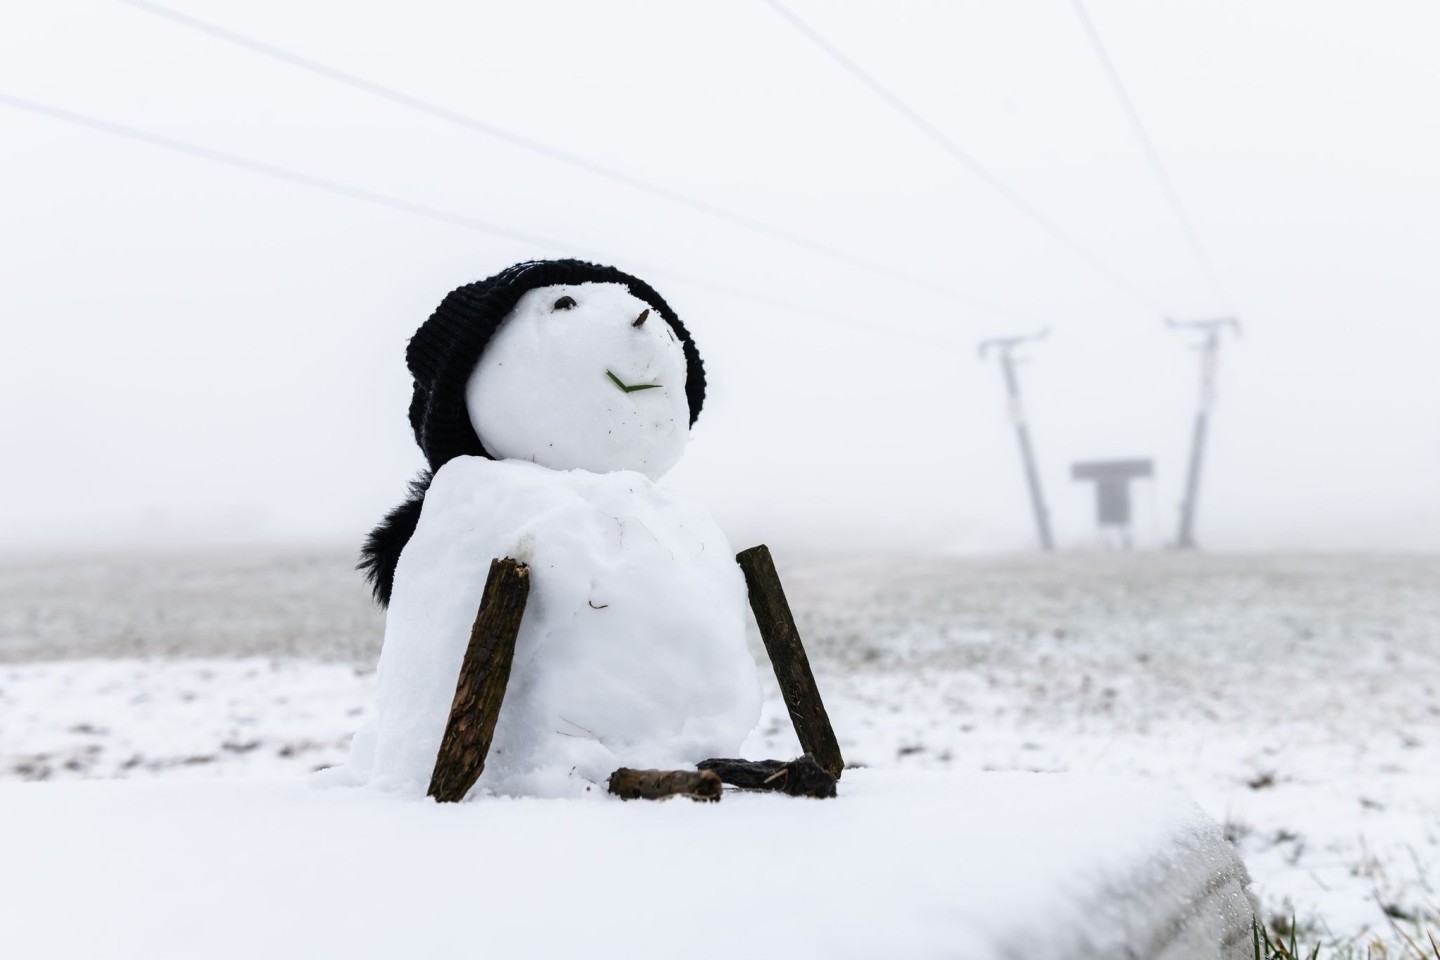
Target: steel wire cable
<point x="959" y="155"/>
<point x="561" y="155"/>
<point x="1152" y="156"/>
<point x="363" y="195"/>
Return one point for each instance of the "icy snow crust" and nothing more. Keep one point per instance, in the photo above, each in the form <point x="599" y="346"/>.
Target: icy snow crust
<point x="541" y="392"/>
<point x="631" y="652"/>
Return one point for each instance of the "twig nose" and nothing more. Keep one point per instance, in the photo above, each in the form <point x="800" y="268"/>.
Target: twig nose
<point x="640" y="320"/>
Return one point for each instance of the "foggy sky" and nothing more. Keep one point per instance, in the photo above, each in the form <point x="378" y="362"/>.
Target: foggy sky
<point x="194" y="354"/>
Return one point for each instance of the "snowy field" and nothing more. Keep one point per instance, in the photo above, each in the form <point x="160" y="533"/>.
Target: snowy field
<point x="1297" y="699"/>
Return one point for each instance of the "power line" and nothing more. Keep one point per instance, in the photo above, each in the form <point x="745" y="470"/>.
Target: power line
<point x="557" y="154"/>
<point x="1152" y="156"/>
<point x="1008" y="193"/>
<point x="424" y="211"/>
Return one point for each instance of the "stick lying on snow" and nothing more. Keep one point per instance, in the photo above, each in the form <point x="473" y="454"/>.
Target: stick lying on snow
<point x="801" y="777"/>
<point x="787" y="656"/>
<point x="481" y="687"/>
<point x="628" y="784"/>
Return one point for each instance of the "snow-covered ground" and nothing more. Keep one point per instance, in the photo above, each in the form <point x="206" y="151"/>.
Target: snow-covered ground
<point x="1296" y="698"/>
<point x="156" y="870"/>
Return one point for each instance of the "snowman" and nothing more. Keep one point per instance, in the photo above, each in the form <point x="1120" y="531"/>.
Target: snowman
<point x="548" y="401"/>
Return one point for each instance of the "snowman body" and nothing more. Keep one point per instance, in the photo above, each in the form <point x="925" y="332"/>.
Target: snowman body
<point x="632" y="648"/>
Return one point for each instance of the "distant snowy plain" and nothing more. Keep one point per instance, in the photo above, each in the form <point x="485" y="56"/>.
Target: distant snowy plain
<point x="1296" y="698"/>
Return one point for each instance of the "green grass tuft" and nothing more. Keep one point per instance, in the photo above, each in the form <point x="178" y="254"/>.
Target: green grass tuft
<point x="1283" y="948"/>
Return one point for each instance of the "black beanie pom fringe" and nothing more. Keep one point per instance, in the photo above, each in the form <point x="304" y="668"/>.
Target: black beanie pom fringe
<point x="381" y="553"/>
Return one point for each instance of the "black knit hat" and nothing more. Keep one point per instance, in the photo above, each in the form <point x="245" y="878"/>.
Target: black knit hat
<point x="445" y="349"/>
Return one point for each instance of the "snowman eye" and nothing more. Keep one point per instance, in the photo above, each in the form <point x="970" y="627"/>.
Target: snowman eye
<point x="564" y="303"/>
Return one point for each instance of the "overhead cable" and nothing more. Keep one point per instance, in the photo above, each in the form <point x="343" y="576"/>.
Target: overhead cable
<point x="959" y="155"/>
<point x="558" y="154"/>
<point x="1152" y="156"/>
<point x="363" y="195"/>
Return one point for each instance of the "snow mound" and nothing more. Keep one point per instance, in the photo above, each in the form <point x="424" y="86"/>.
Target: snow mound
<point x="631" y="652"/>
<point x="985" y="867"/>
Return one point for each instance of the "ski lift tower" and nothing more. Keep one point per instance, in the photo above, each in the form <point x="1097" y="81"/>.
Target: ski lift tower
<point x="1005" y="346"/>
<point x="1209" y="360"/>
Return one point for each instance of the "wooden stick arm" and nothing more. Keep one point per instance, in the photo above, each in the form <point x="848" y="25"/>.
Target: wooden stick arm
<point x="787" y="656"/>
<point x="480" y="688"/>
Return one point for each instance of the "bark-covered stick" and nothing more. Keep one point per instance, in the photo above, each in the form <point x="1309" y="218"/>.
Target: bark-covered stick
<point x="787" y="656"/>
<point x="629" y="784"/>
<point x="481" y="687"/>
<point x="801" y="777"/>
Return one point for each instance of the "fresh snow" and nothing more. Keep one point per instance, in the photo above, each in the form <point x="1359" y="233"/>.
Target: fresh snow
<point x="903" y="864"/>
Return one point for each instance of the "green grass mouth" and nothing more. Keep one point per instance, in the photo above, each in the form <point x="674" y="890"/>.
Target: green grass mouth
<point x="631" y="389"/>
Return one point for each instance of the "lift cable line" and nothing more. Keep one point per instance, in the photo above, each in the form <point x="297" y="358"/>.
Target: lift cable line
<point x="1152" y="156"/>
<point x="999" y="186"/>
<point x="557" y="154"/>
<point x="424" y="211"/>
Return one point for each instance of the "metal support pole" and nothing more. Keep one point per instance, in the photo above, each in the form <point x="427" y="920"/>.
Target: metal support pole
<point x="1022" y="432"/>
<point x="1209" y="361"/>
<point x="1186" y="538"/>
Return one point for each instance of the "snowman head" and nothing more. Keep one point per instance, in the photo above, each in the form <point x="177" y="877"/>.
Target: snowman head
<point x="582" y="376"/>
<point x="567" y="364"/>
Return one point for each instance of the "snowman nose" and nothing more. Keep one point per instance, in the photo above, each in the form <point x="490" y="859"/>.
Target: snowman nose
<point x="640" y="320"/>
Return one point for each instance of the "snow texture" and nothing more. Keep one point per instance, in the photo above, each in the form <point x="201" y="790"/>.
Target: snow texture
<point x="631" y="652"/>
<point x="903" y="864"/>
<point x="543" y="389"/>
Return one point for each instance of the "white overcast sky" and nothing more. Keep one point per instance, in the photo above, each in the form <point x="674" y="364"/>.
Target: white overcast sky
<point x="196" y="354"/>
